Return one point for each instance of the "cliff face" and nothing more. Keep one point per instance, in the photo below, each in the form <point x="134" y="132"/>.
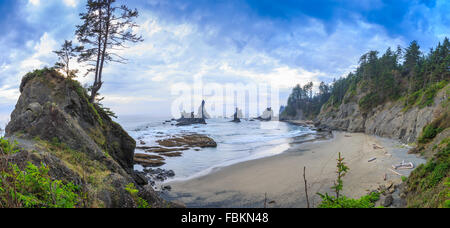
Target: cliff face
<point x="51" y="107"/>
<point x="54" y="121"/>
<point x="392" y="119"/>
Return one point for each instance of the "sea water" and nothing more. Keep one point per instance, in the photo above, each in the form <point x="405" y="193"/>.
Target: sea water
<point x="236" y="142"/>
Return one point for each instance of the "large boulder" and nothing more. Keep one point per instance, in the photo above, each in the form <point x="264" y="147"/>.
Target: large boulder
<point x="57" y="109"/>
<point x="56" y="125"/>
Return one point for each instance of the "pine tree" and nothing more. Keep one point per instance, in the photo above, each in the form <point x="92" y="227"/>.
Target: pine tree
<point x="106" y="28"/>
<point x="65" y="55"/>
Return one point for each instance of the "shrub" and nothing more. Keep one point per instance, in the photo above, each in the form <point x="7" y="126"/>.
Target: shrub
<point x="340" y="201"/>
<point x="367" y="201"/>
<point x="33" y="188"/>
<point x="428" y="133"/>
<point x="141" y="203"/>
<point x="428" y="185"/>
<point x="7" y="147"/>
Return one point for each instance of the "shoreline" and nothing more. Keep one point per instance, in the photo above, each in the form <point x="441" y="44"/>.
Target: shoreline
<point x="274" y="151"/>
<point x="245" y="184"/>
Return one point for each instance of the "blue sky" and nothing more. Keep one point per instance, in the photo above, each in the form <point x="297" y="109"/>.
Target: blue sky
<point x="223" y="40"/>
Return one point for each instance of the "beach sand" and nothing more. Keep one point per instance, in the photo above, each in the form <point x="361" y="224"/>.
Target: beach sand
<point x="280" y="177"/>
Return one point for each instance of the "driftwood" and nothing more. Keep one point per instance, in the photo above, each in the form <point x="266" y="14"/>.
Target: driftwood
<point x="265" y="200"/>
<point x="372" y="159"/>
<point x="404" y="165"/>
<point x="395" y="172"/>
<point x="306" y="187"/>
<point x="376" y="147"/>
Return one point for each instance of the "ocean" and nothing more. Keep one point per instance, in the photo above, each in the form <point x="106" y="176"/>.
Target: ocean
<point x="236" y="142"/>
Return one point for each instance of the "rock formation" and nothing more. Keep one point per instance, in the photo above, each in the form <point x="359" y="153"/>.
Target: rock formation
<point x="202" y="114"/>
<point x="267" y="115"/>
<point x="56" y="124"/>
<point x="199" y="119"/>
<point x="236" y="116"/>
<point x="390" y="120"/>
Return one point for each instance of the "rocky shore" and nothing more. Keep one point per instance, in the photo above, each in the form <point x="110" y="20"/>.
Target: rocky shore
<point x="172" y="146"/>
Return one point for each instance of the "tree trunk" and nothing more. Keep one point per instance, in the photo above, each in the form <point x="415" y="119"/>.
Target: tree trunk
<point x="95" y="86"/>
<point x="105" y="43"/>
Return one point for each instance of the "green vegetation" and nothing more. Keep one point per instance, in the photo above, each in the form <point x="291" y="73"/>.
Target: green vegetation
<point x="33" y="188"/>
<point x="367" y="201"/>
<point x="7" y="147"/>
<point x="428" y="185"/>
<point x="428" y="133"/>
<point x="141" y="203"/>
<point x="303" y="100"/>
<point x="340" y="201"/>
<point x="404" y="179"/>
<point x="424" y="97"/>
<point x="404" y="74"/>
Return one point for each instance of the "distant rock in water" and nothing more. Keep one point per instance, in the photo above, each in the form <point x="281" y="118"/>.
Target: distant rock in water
<point x="267" y="115"/>
<point x="56" y="125"/>
<point x="236" y="118"/>
<point x="190" y="121"/>
<point x="202" y="114"/>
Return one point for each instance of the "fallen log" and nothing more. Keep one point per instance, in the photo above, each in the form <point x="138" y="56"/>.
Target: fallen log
<point x="395" y="172"/>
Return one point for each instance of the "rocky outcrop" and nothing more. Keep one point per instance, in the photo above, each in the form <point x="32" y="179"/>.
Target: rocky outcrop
<point x="188" y="141"/>
<point x="53" y="108"/>
<point x="57" y="125"/>
<point x="390" y="120"/>
<point x="190" y="121"/>
<point x="267" y="115"/>
<point x="236" y="118"/>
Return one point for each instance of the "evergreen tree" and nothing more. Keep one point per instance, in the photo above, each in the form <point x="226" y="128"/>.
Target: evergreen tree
<point x="106" y="28"/>
<point x="65" y="55"/>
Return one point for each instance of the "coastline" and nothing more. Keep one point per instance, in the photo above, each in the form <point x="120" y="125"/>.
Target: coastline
<point x="280" y="177"/>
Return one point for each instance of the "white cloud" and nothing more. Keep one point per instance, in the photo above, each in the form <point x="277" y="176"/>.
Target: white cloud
<point x="42" y="56"/>
<point x="177" y="51"/>
<point x="8" y="94"/>
<point x="71" y="3"/>
<point x="34" y="2"/>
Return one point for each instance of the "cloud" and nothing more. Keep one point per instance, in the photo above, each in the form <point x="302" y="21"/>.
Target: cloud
<point x="71" y="3"/>
<point x="237" y="41"/>
<point x="34" y="2"/>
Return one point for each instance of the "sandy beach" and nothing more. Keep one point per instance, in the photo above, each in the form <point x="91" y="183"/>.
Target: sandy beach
<point x="281" y="177"/>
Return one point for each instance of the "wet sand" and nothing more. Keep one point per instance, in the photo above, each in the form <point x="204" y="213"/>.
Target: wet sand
<point x="281" y="177"/>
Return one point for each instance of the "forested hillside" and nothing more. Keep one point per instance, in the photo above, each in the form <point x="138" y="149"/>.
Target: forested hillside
<point x="406" y="74"/>
<point x="402" y="94"/>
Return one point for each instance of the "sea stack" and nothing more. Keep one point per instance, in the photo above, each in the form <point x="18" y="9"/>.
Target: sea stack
<point x="236" y="118"/>
<point x="267" y="115"/>
<point x="199" y="119"/>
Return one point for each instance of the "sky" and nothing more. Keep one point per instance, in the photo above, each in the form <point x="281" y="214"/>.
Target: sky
<point x="286" y="42"/>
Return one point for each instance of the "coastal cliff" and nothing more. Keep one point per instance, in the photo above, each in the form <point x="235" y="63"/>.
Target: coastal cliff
<point x="402" y="95"/>
<point x="392" y="119"/>
<point x="55" y="124"/>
